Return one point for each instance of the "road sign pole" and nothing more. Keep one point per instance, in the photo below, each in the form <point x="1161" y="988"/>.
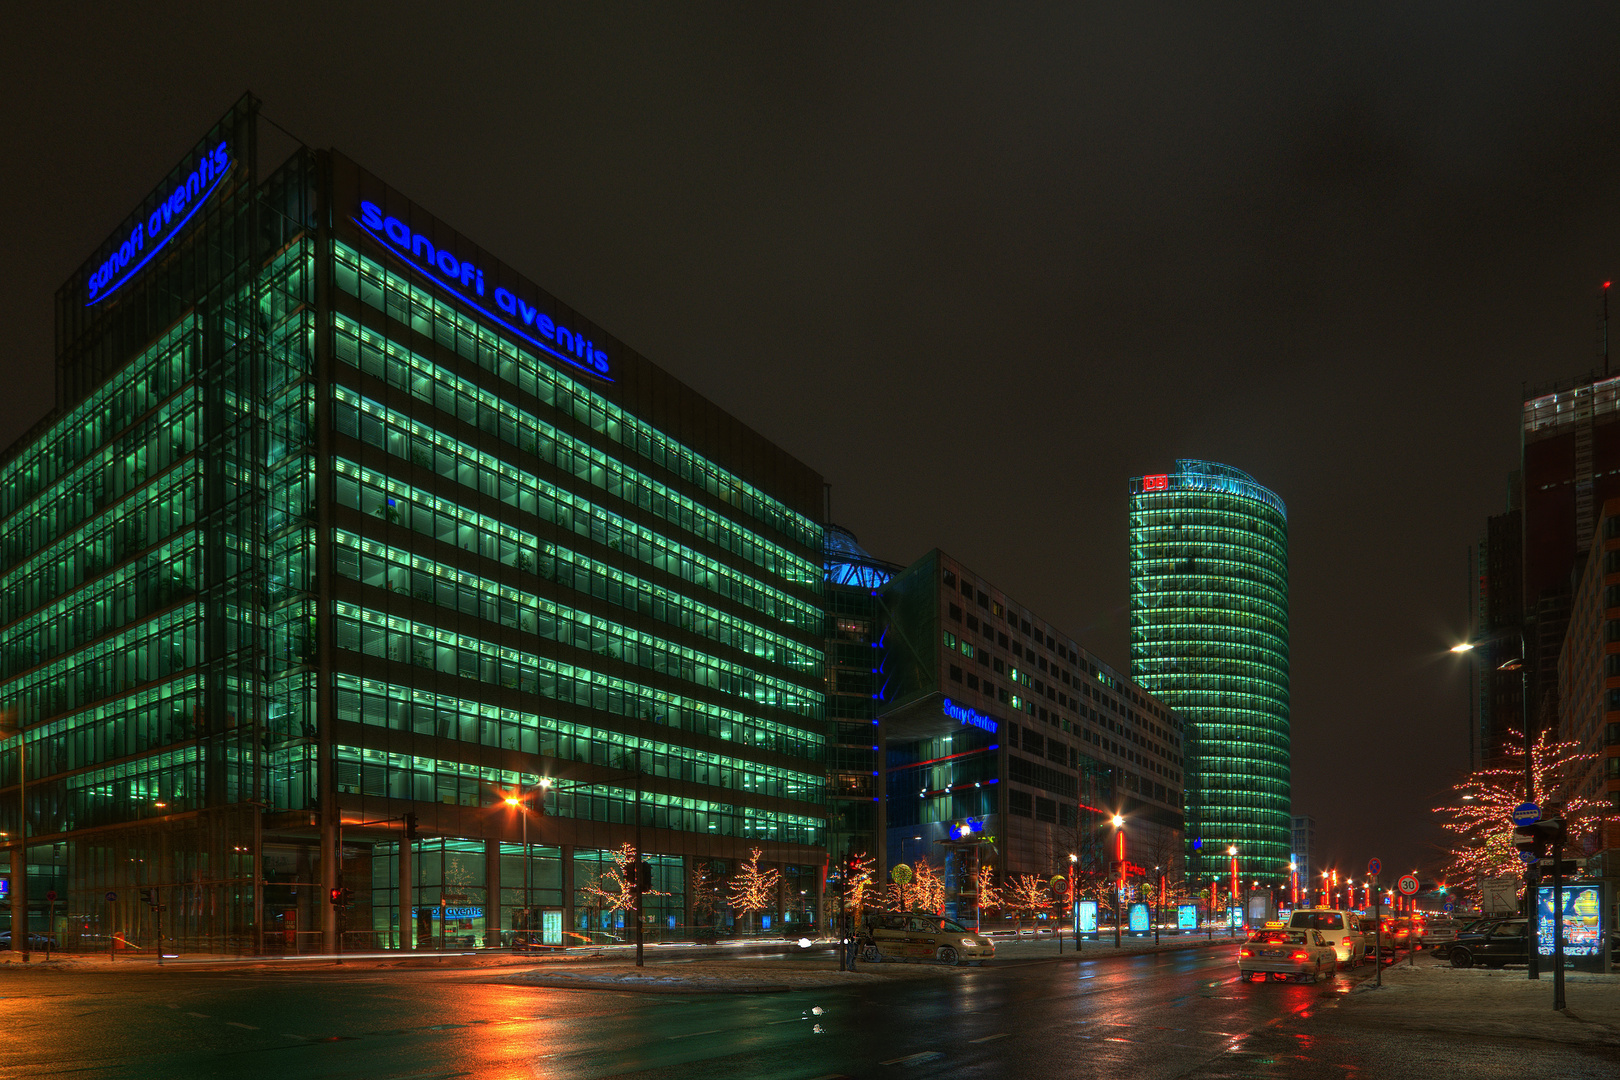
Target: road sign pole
<point x="1558" y="925"/>
<point x="1378" y="934"/>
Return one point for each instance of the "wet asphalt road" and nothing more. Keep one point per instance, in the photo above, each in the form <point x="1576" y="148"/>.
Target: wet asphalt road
<point x="1144" y="1017"/>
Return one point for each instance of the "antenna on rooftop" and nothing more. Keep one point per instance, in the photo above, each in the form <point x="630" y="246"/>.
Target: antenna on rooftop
<point x="1603" y="332"/>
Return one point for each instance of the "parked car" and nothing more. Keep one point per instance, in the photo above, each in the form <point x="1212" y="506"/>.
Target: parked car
<point x="1492" y="943"/>
<point x="1338" y="928"/>
<point x="1287" y="954"/>
<point x="1438" y="933"/>
<point x="921" y="935"/>
<point x="36" y="940"/>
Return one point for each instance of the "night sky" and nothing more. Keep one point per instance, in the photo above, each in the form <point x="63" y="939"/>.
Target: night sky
<point x="980" y="269"/>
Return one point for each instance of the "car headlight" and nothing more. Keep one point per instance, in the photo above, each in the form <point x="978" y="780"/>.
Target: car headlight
<point x="969" y="943"/>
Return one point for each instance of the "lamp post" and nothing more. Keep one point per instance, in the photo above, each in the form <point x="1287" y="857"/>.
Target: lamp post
<point x="1522" y="666"/>
<point x="521" y="804"/>
<point x="1158" y="903"/>
<point x="1074" y="901"/>
<point x="1119" y="880"/>
<point x="1232" y="853"/>
<point x="1293" y="878"/>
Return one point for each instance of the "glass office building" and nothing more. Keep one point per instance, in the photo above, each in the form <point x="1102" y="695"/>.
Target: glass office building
<point x="350" y="559"/>
<point x="1209" y="637"/>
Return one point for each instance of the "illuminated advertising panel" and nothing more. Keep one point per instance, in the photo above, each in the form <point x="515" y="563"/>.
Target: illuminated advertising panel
<point x="1139" y="918"/>
<point x="1088" y="916"/>
<point x="1187" y="917"/>
<point x="1583" y="921"/>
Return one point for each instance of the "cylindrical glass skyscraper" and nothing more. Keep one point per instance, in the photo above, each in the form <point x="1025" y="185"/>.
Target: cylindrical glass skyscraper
<point x="1209" y="636"/>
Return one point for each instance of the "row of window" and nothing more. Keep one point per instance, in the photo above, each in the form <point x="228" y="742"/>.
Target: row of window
<point x="153" y="650"/>
<point x="402" y="640"/>
<point x="148" y="379"/>
<point x="409" y="440"/>
<point x="142" y="451"/>
<point x="161" y="577"/>
<point x="400" y="708"/>
<point x="402" y="776"/>
<point x="591" y="577"/>
<point x="433" y="318"/>
<point x="425" y="380"/>
<point x="397" y="502"/>
<point x="150" y="516"/>
<point x="436" y="583"/>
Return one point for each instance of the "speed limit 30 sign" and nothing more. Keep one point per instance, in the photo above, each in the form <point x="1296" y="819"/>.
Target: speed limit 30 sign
<point x="1408" y="885"/>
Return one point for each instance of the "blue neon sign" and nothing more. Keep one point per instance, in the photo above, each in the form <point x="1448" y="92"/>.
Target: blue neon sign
<point x="970" y="716"/>
<point x="460" y="278"/>
<point x="153" y="233"/>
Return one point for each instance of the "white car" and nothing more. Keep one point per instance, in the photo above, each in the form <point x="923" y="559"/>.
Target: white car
<point x="1338" y="928"/>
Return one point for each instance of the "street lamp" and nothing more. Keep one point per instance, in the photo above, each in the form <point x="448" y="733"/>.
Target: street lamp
<point x="1522" y="666"/>
<point x="1074" y="902"/>
<point x="520" y="802"/>
<point x="1119" y="881"/>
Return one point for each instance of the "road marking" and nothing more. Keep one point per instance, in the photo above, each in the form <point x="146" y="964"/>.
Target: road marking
<point x="913" y="1059"/>
<point x="989" y="1038"/>
<point x="694" y="1034"/>
<point x="789" y="1020"/>
<point x="200" y="1016"/>
<point x="233" y="1023"/>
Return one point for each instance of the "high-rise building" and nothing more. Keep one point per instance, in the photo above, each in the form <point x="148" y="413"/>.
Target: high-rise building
<point x="855" y="626"/>
<point x="1589" y="711"/>
<point x="1209" y="637"/>
<point x="349" y="559"/>
<point x="1570" y="444"/>
<point x="997" y="724"/>
<point x="1498" y="698"/>
<point x="1304" y="842"/>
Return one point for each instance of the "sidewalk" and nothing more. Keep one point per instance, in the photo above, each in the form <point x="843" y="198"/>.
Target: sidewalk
<point x="1433" y="996"/>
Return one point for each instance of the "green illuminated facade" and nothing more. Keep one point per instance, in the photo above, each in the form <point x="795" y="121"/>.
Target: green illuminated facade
<point x="1209" y="636"/>
<point x="341" y="531"/>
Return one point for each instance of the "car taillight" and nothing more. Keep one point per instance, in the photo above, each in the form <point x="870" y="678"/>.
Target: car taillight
<point x="1302" y="955"/>
<point x="1246" y="952"/>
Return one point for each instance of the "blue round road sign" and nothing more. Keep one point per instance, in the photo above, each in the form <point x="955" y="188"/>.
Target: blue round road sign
<point x="111" y="897"/>
<point x="1374" y="866"/>
<point x="1526" y="814"/>
<point x="1527" y="857"/>
<point x="1450" y="907"/>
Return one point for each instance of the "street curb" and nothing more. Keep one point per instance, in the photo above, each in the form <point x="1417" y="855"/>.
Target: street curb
<point x="632" y="988"/>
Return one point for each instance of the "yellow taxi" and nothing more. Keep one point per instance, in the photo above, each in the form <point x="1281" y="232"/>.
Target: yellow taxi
<point x="919" y="935"/>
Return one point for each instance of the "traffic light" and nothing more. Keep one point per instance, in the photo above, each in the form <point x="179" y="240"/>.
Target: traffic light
<point x="410" y="825"/>
<point x="1535" y="838"/>
<point x="643" y="876"/>
<point x="336" y="896"/>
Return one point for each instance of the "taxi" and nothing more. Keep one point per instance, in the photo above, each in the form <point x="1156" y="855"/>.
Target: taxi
<point x="1283" y="954"/>
<point x="921" y="935"/>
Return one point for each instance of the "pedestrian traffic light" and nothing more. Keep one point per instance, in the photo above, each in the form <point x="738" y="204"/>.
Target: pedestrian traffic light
<point x="643" y="876"/>
<point x="336" y="896"/>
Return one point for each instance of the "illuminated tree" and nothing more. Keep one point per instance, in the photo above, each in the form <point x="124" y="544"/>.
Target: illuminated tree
<point x="901" y="876"/>
<point x="752" y="888"/>
<point x="610" y="888"/>
<point x="927" y="888"/>
<point x="859" y="879"/>
<point x="985" y="883"/>
<point x="1481" y="811"/>
<point x="708" y="892"/>
<point x="1025" y="894"/>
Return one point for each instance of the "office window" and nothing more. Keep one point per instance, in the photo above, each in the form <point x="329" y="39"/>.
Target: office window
<point x="956" y="613"/>
<point x="1018" y="802"/>
<point x="1045" y="810"/>
<point x="956" y="673"/>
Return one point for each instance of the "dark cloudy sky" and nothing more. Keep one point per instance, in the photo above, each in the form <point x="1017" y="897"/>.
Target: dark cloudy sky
<point x="978" y="267"/>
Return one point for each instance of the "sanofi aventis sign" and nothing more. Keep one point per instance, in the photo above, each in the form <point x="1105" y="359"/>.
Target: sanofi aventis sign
<point x="152" y="233"/>
<point x="465" y="281"/>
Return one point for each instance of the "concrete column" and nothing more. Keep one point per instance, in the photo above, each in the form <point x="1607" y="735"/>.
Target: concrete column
<point x="407" y="893"/>
<point x="566" y="854"/>
<point x="492" y="891"/>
